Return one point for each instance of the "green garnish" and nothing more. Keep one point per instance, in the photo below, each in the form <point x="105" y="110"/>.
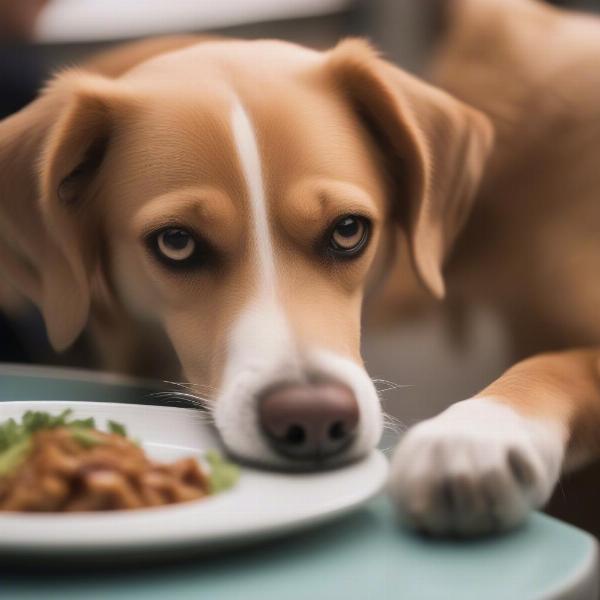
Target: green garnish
<point x="117" y="428"/>
<point x="15" y="444"/>
<point x="15" y="437"/>
<point x="223" y="474"/>
<point x="83" y="423"/>
<point x="11" y="432"/>
<point x="11" y="458"/>
<point x="85" y="437"/>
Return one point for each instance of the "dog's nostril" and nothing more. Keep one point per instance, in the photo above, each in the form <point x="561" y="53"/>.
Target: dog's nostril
<point x="295" y="435"/>
<point x="337" y="431"/>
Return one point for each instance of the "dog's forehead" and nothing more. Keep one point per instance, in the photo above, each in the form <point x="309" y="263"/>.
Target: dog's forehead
<point x="186" y="100"/>
<point x="308" y="129"/>
<point x="302" y="125"/>
<point x="217" y="62"/>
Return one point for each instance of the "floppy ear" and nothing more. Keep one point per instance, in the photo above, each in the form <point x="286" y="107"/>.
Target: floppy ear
<point x="50" y="153"/>
<point x="435" y="148"/>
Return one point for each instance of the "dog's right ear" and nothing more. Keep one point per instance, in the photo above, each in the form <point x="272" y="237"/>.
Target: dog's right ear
<point x="50" y="155"/>
<point x="435" y="149"/>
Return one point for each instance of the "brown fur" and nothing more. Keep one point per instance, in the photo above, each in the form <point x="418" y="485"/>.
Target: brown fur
<point x="532" y="247"/>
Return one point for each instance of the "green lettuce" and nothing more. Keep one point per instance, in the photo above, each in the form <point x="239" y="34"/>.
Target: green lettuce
<point x="222" y="474"/>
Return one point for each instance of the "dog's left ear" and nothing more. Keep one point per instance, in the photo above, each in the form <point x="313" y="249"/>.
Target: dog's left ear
<point x="50" y="159"/>
<point x="68" y="180"/>
<point x="434" y="145"/>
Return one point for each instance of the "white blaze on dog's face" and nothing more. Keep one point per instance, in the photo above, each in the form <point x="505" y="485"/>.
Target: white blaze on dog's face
<point x="239" y="195"/>
<point x="280" y="337"/>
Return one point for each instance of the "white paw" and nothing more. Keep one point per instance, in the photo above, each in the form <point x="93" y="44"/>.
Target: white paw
<point x="476" y="468"/>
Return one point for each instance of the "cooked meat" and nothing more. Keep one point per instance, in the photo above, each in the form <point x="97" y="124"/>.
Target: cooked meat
<point x="88" y="470"/>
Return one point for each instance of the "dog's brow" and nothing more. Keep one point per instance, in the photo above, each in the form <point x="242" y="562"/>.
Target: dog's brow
<point x="248" y="152"/>
<point x="209" y="207"/>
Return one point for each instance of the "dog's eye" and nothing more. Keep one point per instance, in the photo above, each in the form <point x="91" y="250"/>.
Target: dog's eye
<point x="177" y="247"/>
<point x="349" y="235"/>
<point x="176" y="244"/>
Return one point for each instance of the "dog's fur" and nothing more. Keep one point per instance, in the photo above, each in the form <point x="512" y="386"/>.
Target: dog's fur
<point x="259" y="146"/>
<point x="530" y="252"/>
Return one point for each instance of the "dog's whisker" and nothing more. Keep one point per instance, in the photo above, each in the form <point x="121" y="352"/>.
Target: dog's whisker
<point x="390" y="385"/>
<point x="203" y="418"/>
<point x="203" y="386"/>
<point x="393" y="424"/>
<point x="203" y="415"/>
<point x="389" y="389"/>
<point x="188" y="388"/>
<point x="189" y="385"/>
<point x="199" y="401"/>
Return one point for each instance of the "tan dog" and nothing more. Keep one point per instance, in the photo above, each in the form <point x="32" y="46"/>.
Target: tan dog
<point x="236" y="200"/>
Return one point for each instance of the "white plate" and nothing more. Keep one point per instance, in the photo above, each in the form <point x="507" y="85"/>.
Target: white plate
<point x="263" y="504"/>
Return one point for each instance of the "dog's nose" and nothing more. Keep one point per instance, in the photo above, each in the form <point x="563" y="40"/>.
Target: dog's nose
<point x="309" y="421"/>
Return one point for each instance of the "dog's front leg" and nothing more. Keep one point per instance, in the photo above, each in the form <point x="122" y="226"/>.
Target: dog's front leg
<point x="484" y="463"/>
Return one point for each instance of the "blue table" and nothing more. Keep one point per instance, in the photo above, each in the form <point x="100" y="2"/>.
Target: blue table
<point x="364" y="556"/>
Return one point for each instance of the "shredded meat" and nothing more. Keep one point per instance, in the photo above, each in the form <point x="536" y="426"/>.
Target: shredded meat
<point x="109" y="472"/>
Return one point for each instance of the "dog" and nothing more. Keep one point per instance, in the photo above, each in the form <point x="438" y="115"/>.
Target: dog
<point x="231" y="203"/>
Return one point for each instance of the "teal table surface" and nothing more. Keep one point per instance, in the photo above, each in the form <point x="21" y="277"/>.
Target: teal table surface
<point x="364" y="556"/>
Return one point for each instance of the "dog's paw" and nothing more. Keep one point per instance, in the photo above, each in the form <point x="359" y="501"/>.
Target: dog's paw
<point x="477" y="468"/>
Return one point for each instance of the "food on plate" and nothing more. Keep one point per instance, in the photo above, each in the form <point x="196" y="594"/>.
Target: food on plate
<point x="59" y="464"/>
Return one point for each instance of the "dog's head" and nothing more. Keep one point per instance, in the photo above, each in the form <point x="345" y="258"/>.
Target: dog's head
<point x="241" y="195"/>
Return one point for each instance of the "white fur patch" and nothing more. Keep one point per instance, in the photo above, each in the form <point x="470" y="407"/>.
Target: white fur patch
<point x="260" y="347"/>
<point x="260" y="354"/>
<point x="249" y="156"/>
<point x="477" y="467"/>
<point x="262" y="350"/>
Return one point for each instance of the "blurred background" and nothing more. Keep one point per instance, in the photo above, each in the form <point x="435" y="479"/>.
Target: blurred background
<point x="40" y="36"/>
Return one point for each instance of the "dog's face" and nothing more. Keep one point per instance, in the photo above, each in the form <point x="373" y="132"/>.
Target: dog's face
<point x="245" y="215"/>
<point x="241" y="196"/>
